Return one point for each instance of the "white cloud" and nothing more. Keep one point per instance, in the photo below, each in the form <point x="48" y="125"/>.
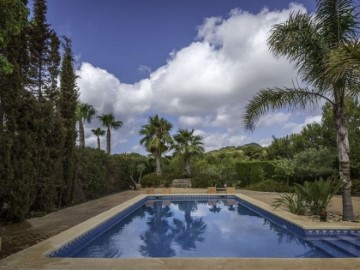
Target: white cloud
<point x="216" y="140"/>
<point x="144" y="69"/>
<point x="271" y="119"/>
<point x="205" y="84"/>
<point x="308" y="120"/>
<point x="190" y="121"/>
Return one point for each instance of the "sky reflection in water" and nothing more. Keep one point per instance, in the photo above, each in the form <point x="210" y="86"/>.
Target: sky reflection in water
<point x="203" y="228"/>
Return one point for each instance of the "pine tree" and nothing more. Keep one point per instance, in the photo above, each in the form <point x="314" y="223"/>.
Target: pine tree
<point x="67" y="105"/>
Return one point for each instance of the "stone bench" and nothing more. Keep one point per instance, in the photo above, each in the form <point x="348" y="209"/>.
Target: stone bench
<point x="181" y="183"/>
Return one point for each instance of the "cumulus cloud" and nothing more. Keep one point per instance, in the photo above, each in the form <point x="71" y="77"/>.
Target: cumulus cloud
<point x="308" y="120"/>
<point x="205" y="84"/>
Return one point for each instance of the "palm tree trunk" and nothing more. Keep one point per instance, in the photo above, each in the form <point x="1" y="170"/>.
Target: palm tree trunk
<point x="98" y="141"/>
<point x="187" y="166"/>
<point x="108" y="141"/>
<point x="81" y="133"/>
<point x="343" y="154"/>
<point x="158" y="164"/>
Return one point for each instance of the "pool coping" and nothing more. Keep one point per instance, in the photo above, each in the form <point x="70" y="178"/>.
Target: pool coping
<point x="36" y="257"/>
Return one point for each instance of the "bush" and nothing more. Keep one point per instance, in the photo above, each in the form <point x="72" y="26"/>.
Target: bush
<point x="270" y="186"/>
<point x="312" y="196"/>
<point x="91" y="174"/>
<point x="355" y="189"/>
<point x="204" y="180"/>
<point x="251" y="172"/>
<point x="151" y="180"/>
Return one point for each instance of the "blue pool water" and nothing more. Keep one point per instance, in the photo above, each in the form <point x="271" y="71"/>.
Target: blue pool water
<point x="206" y="228"/>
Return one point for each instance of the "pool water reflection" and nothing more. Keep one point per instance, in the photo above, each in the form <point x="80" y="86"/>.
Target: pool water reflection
<point x="201" y="228"/>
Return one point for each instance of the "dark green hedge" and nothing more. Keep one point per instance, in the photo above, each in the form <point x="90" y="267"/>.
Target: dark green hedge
<point x="99" y="174"/>
<point x="251" y="172"/>
<point x="204" y="180"/>
<point x="270" y="186"/>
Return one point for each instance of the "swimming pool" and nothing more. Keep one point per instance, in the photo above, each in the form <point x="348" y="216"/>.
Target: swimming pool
<point x="206" y="226"/>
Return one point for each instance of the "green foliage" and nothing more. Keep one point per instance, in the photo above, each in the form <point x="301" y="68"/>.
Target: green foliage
<point x="109" y="122"/>
<point x="91" y="174"/>
<point x="355" y="187"/>
<point x="123" y="168"/>
<point x="205" y="180"/>
<point x="151" y="180"/>
<point x="270" y="185"/>
<point x="156" y="138"/>
<point x="293" y="202"/>
<point x="317" y="194"/>
<point x="314" y="163"/>
<point x="13" y="15"/>
<point x="250" y="172"/>
<point x="187" y="145"/>
<point x="67" y="105"/>
<point x="312" y="196"/>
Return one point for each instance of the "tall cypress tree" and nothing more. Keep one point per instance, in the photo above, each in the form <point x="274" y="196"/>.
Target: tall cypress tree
<point x="43" y="72"/>
<point x="40" y="40"/>
<point x="67" y="105"/>
<point x="17" y="137"/>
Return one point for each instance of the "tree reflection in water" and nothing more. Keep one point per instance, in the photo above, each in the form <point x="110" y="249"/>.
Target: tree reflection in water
<point x="161" y="234"/>
<point x="290" y="238"/>
<point x="158" y="238"/>
<point x="192" y="230"/>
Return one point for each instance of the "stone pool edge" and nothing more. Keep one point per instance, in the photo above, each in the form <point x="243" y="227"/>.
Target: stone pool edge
<point x="36" y="257"/>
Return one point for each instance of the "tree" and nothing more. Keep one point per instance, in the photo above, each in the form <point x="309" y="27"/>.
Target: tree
<point x="187" y="144"/>
<point x="84" y="112"/>
<point x="308" y="41"/>
<point x="39" y="41"/>
<point x="314" y="163"/>
<point x="67" y="104"/>
<point x="284" y="168"/>
<point x="12" y="15"/>
<point x="109" y="122"/>
<point x="17" y="107"/>
<point x="98" y="132"/>
<point x="157" y="139"/>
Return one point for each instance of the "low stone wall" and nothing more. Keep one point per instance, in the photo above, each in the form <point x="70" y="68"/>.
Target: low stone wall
<point x="181" y="183"/>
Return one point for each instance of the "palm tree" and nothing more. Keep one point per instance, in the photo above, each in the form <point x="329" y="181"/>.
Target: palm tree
<point x="98" y="132"/>
<point x="84" y="112"/>
<point x="187" y="144"/>
<point x="309" y="41"/>
<point x="157" y="139"/>
<point x="109" y="122"/>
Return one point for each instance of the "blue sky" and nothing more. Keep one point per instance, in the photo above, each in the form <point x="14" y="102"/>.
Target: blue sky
<point x="195" y="63"/>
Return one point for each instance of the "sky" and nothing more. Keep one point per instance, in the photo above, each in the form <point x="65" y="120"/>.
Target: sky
<point x="195" y="63"/>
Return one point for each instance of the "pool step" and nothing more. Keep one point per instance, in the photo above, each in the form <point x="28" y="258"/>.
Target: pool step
<point x="345" y="245"/>
<point x="355" y="240"/>
<point x="332" y="250"/>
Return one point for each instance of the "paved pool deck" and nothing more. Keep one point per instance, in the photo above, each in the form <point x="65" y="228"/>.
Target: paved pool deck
<point x="17" y="237"/>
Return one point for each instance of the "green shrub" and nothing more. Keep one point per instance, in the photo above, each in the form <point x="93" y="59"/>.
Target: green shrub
<point x="313" y="196"/>
<point x="317" y="194"/>
<point x="355" y="189"/>
<point x="151" y="180"/>
<point x="251" y="172"/>
<point x="204" y="180"/>
<point x="295" y="203"/>
<point x="91" y="174"/>
<point x="270" y="186"/>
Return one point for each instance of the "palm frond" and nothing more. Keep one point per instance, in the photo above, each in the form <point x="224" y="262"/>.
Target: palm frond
<point x="299" y="41"/>
<point x="273" y="99"/>
<point x="343" y="61"/>
<point x="337" y="19"/>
